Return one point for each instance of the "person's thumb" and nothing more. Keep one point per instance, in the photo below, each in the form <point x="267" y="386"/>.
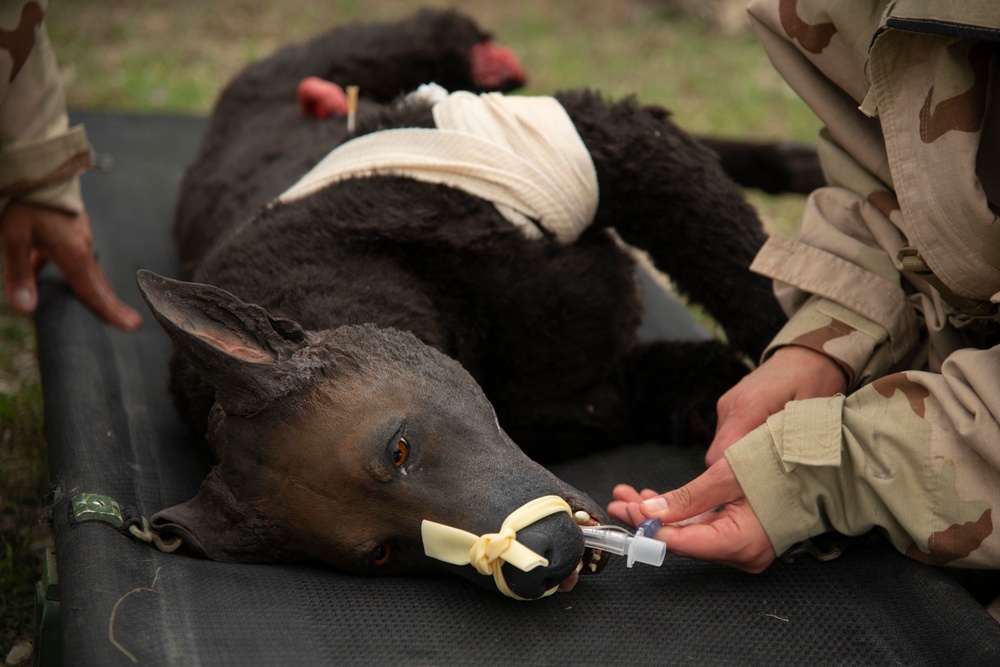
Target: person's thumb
<point x="716" y="486"/>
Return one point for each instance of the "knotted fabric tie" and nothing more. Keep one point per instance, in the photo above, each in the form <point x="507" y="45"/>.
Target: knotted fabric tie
<point x="521" y="153"/>
<point x="487" y="553"/>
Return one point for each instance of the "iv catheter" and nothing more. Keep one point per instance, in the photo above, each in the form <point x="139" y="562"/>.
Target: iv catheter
<point x="639" y="547"/>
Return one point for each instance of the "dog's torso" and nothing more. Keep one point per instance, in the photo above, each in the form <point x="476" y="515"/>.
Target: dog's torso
<point x="533" y="321"/>
<point x="318" y="342"/>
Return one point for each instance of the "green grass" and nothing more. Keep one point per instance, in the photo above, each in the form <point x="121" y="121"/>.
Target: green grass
<point x="173" y="56"/>
<point x="23" y="478"/>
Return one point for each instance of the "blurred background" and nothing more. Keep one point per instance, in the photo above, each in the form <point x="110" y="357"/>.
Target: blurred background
<point x="697" y="58"/>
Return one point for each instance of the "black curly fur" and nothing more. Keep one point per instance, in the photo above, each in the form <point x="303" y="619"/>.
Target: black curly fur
<point x="548" y="330"/>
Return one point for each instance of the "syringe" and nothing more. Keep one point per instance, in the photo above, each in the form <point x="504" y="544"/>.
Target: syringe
<point x="638" y="547"/>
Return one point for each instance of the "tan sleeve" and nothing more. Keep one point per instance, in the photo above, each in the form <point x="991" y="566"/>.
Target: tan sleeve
<point x="913" y="454"/>
<point x="859" y="345"/>
<point x="840" y="286"/>
<point x="838" y="281"/>
<point x="40" y="155"/>
<point x="909" y="162"/>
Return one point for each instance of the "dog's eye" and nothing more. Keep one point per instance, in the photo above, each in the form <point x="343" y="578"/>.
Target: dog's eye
<point x="400" y="452"/>
<point x="383" y="553"/>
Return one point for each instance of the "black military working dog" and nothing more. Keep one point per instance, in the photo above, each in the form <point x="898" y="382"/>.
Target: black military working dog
<point x="366" y="357"/>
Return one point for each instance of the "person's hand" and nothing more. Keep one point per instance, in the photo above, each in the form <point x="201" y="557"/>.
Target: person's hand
<point x="31" y="235"/>
<point x="791" y="373"/>
<point x="730" y="536"/>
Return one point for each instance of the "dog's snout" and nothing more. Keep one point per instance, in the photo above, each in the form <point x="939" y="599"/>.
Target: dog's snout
<point x="562" y="548"/>
<point x="537" y="541"/>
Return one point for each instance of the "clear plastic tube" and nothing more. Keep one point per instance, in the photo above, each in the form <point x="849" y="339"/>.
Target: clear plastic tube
<point x="640" y="546"/>
<point x="637" y="548"/>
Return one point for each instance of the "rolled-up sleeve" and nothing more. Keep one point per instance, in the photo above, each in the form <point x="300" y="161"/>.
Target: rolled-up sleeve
<point x="41" y="157"/>
<point x="843" y="293"/>
<point x="913" y="454"/>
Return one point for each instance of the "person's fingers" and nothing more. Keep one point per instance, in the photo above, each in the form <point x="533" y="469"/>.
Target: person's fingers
<point x="732" y="536"/>
<point x="627" y="506"/>
<point x="30" y="235"/>
<point x="791" y="373"/>
<point x="629" y="513"/>
<point x="91" y="285"/>
<point x="626" y="512"/>
<point x="731" y="428"/>
<point x="716" y="486"/>
<point x="19" y="279"/>
<point x="626" y="493"/>
<point x="636" y="514"/>
<point x="37" y="261"/>
<point x="736" y="538"/>
<point x="623" y="494"/>
<point x="618" y="510"/>
<point x="67" y="241"/>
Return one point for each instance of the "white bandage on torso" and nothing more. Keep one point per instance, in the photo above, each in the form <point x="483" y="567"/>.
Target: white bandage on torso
<point x="523" y="154"/>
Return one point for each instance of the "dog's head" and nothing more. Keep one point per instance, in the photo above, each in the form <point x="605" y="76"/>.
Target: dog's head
<point x="336" y="445"/>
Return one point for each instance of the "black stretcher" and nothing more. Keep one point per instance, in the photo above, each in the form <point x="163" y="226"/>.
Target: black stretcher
<point x="112" y="430"/>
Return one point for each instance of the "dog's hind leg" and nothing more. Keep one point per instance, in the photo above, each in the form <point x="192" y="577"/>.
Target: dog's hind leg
<point x="664" y="391"/>
<point x="384" y="60"/>
<point x="673" y="388"/>
<point x="664" y="192"/>
<point x="571" y="423"/>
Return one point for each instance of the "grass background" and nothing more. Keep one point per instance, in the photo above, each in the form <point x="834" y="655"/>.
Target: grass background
<point x="695" y="57"/>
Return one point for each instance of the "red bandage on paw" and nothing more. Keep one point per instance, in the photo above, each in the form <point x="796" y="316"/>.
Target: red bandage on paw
<point x="321" y="98"/>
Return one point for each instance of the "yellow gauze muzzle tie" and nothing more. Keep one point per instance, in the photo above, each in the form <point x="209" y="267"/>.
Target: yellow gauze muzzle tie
<point x="487" y="553"/>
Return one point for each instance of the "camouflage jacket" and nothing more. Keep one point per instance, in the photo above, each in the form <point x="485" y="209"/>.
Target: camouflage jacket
<point x="40" y="156"/>
<point x="895" y="275"/>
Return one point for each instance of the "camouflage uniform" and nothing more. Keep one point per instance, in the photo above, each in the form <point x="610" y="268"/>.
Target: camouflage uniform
<point x="40" y="156"/>
<point x="908" y="92"/>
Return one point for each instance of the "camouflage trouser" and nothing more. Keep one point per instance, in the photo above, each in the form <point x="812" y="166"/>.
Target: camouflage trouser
<point x="912" y="159"/>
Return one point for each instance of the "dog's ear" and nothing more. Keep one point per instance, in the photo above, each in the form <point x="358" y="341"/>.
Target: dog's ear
<point x="244" y="353"/>
<point x="215" y="525"/>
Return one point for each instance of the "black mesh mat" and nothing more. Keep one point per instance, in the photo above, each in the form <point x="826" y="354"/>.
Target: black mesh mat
<point x="112" y="430"/>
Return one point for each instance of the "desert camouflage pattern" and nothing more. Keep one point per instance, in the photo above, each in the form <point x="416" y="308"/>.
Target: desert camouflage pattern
<point x="40" y="156"/>
<point x="908" y="93"/>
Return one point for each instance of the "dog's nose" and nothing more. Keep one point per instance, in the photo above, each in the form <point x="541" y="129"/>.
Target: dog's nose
<point x="538" y="541"/>
<point x="563" y="556"/>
